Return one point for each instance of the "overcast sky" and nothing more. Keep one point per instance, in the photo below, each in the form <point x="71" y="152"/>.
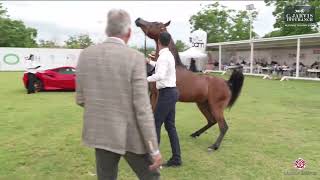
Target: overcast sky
<point x="56" y="20"/>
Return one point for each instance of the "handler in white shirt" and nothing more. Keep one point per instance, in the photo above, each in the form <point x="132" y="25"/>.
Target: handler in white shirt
<point x="165" y="78"/>
<point x="31" y="71"/>
<point x="165" y="75"/>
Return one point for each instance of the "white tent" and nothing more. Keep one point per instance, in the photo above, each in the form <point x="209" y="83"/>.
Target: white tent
<point x="196" y="54"/>
<point x="192" y="53"/>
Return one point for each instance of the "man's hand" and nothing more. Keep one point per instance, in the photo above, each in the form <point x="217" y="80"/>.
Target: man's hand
<point x="157" y="162"/>
<point x="147" y="60"/>
<point x="152" y="56"/>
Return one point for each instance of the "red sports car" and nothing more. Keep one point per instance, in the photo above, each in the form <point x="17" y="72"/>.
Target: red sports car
<point x="62" y="78"/>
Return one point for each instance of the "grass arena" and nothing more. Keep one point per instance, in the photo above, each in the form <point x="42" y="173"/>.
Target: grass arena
<point x="270" y="126"/>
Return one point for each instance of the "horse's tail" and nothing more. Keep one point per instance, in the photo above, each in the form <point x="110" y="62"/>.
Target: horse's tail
<point x="235" y="84"/>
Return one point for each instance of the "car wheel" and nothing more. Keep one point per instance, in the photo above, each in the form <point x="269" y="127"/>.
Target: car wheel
<point x="38" y="85"/>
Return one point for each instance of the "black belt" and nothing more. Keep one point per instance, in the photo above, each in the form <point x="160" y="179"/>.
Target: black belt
<point x="166" y="88"/>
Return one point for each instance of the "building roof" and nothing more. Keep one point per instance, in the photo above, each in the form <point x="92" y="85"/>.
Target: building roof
<point x="306" y="40"/>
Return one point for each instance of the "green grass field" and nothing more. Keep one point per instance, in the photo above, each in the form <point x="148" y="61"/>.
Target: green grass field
<point x="272" y="124"/>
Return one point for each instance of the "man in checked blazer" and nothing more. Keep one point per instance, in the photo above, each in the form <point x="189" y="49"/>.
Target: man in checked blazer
<point x="112" y="88"/>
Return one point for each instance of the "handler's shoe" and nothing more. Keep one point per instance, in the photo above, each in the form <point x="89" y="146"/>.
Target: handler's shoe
<point x="172" y="163"/>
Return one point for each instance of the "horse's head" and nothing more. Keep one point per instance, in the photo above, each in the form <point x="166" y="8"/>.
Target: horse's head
<point x="152" y="29"/>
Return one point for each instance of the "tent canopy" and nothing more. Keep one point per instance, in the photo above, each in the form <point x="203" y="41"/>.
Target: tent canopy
<point x="193" y="53"/>
<point x="307" y="40"/>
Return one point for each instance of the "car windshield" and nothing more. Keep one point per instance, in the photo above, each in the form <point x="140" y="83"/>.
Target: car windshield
<point x="66" y="71"/>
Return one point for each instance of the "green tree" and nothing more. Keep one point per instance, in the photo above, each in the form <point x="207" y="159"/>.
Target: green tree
<point x="240" y="29"/>
<point x="3" y="11"/>
<point x="222" y="24"/>
<point x="48" y="44"/>
<point x="142" y="50"/>
<point x="181" y="46"/>
<point x="148" y="50"/>
<point x="14" y="33"/>
<point x="281" y="28"/>
<point x="79" y="42"/>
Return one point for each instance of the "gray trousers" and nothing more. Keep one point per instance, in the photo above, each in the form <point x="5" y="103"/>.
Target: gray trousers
<point x="107" y="165"/>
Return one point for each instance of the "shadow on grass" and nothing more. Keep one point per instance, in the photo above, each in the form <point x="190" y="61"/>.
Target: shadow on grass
<point x="24" y="91"/>
<point x="52" y="91"/>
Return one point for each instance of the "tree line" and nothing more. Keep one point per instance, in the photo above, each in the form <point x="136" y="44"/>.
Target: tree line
<point x="14" y="33"/>
<point x="220" y="23"/>
<point x="223" y="24"/>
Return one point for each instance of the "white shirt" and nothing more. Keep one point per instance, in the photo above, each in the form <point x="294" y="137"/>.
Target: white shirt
<point x="165" y="74"/>
<point x="32" y="67"/>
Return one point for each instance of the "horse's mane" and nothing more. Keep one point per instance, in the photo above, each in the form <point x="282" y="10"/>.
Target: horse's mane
<point x="174" y="51"/>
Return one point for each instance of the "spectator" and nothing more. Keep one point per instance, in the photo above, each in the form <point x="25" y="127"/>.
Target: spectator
<point x="111" y="86"/>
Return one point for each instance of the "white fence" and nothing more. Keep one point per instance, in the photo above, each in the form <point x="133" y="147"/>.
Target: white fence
<point x="14" y="59"/>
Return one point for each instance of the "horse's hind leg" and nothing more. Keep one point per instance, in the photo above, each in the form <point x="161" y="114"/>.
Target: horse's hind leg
<point x="218" y="115"/>
<point x="204" y="108"/>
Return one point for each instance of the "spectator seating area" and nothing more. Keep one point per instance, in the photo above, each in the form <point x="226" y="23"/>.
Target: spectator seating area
<point x="273" y="68"/>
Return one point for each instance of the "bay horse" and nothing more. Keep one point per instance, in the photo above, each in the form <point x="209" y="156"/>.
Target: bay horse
<point x="211" y="94"/>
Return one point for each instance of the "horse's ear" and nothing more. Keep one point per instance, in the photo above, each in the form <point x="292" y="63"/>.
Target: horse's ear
<point x="167" y="24"/>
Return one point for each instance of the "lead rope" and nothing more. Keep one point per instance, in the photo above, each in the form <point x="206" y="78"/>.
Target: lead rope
<point x="145" y="55"/>
<point x="145" y="44"/>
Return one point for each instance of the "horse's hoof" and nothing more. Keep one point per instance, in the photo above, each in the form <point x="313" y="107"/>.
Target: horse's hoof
<point x="194" y="136"/>
<point x="213" y="148"/>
